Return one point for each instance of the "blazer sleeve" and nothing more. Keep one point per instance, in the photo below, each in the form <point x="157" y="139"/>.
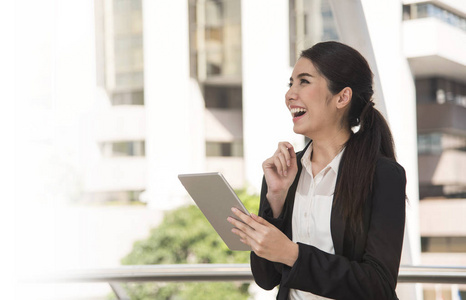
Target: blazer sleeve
<point x="268" y="274"/>
<point x="265" y="272"/>
<point x="375" y="276"/>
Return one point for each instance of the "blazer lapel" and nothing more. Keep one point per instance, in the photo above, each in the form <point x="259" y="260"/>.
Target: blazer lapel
<point x="337" y="224"/>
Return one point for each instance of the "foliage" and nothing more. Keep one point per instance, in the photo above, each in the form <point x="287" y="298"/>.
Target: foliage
<point x="186" y="237"/>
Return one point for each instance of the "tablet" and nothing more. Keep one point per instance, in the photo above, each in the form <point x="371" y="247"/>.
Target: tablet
<point x="215" y="198"/>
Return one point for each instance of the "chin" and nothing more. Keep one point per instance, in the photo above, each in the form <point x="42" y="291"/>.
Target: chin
<point x="302" y="132"/>
<point x="299" y="131"/>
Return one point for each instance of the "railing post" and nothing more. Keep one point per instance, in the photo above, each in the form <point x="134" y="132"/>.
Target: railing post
<point x="119" y="291"/>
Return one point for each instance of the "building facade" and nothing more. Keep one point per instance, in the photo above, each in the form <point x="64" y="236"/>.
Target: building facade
<point x="434" y="43"/>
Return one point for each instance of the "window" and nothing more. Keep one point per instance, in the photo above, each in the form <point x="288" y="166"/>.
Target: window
<point x="443" y="244"/>
<point x="215" y="39"/>
<point x="126" y="148"/>
<point x="429" y="143"/>
<point x="436" y="143"/>
<point x="223" y="96"/>
<point x="128" y="98"/>
<point x="309" y="25"/>
<point x="123" y="197"/>
<point x="440" y="90"/>
<point x="121" y="47"/>
<point x="224" y="149"/>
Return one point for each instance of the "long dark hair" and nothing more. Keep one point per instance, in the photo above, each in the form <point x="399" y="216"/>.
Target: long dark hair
<point x="343" y="66"/>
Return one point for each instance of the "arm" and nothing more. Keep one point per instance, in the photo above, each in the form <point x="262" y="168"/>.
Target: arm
<point x="375" y="276"/>
<point x="280" y="171"/>
<point x="266" y="274"/>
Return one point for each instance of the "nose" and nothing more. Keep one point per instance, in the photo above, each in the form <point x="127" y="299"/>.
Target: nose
<point x="290" y="95"/>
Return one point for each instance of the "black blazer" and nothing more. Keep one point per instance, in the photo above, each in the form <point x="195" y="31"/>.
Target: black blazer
<point x="364" y="267"/>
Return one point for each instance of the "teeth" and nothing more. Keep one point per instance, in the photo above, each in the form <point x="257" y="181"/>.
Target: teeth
<point x="297" y="110"/>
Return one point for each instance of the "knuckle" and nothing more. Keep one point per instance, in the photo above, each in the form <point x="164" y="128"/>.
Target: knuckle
<point x="260" y="242"/>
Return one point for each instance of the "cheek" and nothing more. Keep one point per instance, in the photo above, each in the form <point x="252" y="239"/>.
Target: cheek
<point x="315" y="95"/>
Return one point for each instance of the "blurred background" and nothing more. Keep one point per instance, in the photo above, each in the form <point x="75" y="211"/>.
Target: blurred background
<point x="114" y="98"/>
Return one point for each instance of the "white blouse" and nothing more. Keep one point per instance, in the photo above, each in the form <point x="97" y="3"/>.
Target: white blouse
<point x="312" y="210"/>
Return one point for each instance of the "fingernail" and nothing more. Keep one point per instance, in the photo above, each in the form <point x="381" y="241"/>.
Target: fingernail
<point x="288" y="163"/>
<point x="286" y="173"/>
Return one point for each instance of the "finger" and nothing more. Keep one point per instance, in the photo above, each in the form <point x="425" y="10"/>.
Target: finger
<point x="240" y="225"/>
<point x="283" y="162"/>
<point x="248" y="222"/>
<point x="239" y="233"/>
<point x="278" y="165"/>
<point x="285" y="149"/>
<point x="243" y="237"/>
<point x="292" y="153"/>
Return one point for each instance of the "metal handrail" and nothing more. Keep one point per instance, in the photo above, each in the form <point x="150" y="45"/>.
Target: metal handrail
<point x="426" y="274"/>
<point x="228" y="272"/>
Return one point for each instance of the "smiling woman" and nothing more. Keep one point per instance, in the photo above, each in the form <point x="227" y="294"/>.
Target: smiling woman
<point x="331" y="217"/>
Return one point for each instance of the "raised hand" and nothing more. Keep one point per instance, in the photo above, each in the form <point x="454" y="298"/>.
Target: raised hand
<point x="280" y="171"/>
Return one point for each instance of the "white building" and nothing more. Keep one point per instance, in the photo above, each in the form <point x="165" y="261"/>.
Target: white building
<point x="148" y="89"/>
<point x="434" y="38"/>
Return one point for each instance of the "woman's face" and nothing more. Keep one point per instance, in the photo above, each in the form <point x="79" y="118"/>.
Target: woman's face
<point x="310" y="102"/>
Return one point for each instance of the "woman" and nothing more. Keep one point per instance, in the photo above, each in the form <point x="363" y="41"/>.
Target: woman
<point x="331" y="217"/>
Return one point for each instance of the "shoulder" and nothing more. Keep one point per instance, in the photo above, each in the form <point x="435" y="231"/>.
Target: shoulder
<point x="385" y="164"/>
<point x="389" y="170"/>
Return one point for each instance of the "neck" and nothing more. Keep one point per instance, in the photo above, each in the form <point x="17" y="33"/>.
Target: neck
<point x="324" y="149"/>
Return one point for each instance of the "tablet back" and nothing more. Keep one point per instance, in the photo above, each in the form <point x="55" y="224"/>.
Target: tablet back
<point x="215" y="198"/>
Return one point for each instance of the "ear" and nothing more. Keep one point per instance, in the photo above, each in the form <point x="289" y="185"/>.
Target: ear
<point x="344" y="97"/>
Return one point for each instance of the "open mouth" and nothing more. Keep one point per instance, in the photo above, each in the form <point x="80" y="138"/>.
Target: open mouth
<point x="297" y="112"/>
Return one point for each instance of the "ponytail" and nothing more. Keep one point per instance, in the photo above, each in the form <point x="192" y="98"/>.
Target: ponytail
<point x="372" y="140"/>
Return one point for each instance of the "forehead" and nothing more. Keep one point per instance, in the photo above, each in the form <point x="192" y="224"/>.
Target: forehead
<point x="304" y="65"/>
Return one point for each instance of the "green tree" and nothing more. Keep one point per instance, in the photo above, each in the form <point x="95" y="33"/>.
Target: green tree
<point x="186" y="237"/>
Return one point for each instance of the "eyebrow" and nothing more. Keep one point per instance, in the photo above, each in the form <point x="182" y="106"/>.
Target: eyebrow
<point x="302" y="75"/>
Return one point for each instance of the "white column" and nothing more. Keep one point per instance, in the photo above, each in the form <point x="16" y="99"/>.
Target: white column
<point x="174" y="142"/>
<point x="8" y="156"/>
<point x="374" y="28"/>
<point x="266" y="73"/>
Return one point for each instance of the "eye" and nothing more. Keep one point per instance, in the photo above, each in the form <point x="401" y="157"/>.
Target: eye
<point x="303" y="81"/>
<point x="290" y="84"/>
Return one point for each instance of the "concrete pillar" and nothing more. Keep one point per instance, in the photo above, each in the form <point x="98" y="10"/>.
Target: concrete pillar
<point x="174" y="108"/>
<point x="266" y="73"/>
